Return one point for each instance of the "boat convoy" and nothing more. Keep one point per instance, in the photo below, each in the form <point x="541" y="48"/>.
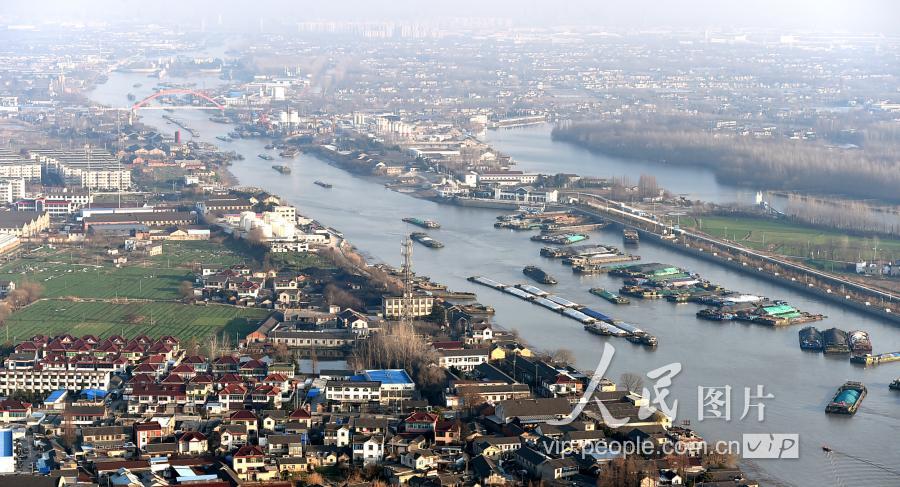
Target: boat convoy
<point x="847" y="398"/>
<point x="538" y="275"/>
<point x="594" y="321"/>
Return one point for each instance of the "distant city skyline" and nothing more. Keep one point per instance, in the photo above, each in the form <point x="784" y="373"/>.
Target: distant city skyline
<point x="872" y="16"/>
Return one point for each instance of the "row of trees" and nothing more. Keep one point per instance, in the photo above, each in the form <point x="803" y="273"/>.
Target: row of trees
<point x="853" y="216"/>
<point x="871" y="172"/>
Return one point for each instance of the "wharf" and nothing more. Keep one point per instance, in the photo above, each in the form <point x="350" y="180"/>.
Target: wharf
<point x="593" y="321"/>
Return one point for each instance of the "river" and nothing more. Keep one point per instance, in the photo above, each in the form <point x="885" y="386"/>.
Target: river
<point x="712" y="354"/>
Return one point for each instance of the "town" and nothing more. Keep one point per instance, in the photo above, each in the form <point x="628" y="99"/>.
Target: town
<point x="280" y="257"/>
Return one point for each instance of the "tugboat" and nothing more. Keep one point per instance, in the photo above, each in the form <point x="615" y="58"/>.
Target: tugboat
<point x="811" y="339"/>
<point x="895" y="385"/>
<point x="323" y="184"/>
<point x="430" y="224"/>
<point x="847" y="398"/>
<point x="630" y="236"/>
<point x="425" y="240"/>
<point x="860" y="344"/>
<point x="265" y="157"/>
<point x="538" y="275"/>
<point x="609" y="295"/>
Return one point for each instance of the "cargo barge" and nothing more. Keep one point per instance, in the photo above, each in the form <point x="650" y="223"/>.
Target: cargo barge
<point x="538" y="275"/>
<point x="576" y="251"/>
<point x="882" y="358"/>
<point x="639" y="292"/>
<point x="714" y="314"/>
<point x="847" y="398"/>
<point x="609" y="296"/>
<point x="811" y="339"/>
<point x="430" y="224"/>
<point x="560" y="239"/>
<point x="585" y="227"/>
<point x="860" y="343"/>
<point x="425" y="240"/>
<point x="836" y="341"/>
<point x="630" y="236"/>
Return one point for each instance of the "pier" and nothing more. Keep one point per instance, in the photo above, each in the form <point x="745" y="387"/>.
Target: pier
<point x="594" y="321"/>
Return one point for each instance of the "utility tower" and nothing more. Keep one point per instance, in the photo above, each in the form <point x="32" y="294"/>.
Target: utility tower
<point x="406" y="314"/>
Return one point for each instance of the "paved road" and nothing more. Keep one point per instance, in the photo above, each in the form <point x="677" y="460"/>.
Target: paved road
<point x="662" y="228"/>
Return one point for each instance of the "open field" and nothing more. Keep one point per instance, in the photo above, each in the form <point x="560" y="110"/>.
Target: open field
<point x="51" y="316"/>
<point x="794" y="240"/>
<point x="158" y="277"/>
<point x="189" y="254"/>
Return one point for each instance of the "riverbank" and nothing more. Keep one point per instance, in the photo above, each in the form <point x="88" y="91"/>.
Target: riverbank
<point x="725" y="353"/>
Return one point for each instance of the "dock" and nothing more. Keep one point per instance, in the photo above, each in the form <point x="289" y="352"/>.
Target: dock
<point x="594" y="321"/>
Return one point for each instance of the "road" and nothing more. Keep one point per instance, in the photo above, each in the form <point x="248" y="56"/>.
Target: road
<point x="629" y="218"/>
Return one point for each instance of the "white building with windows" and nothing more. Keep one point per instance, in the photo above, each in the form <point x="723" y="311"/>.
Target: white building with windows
<point x="419" y="305"/>
<point x="463" y="358"/>
<point x="349" y="391"/>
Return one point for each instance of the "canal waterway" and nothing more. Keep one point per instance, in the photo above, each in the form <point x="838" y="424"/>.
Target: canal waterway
<point x="712" y="354"/>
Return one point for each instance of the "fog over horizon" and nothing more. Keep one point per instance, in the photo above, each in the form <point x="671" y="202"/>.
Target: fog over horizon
<point x="864" y="16"/>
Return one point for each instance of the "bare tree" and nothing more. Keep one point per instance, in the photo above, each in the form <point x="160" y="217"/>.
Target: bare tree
<point x="186" y="290"/>
<point x="632" y="382"/>
<point x="562" y="356"/>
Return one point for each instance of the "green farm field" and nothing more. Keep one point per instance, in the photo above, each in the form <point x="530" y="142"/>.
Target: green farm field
<point x="154" y="319"/>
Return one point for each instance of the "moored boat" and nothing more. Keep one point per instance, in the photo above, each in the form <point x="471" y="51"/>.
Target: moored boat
<point x="811" y="339"/>
<point x="715" y="314"/>
<point x="609" y="296"/>
<point x="538" y="275"/>
<point x="560" y="239"/>
<point x="835" y="341"/>
<point x="847" y="398"/>
<point x="860" y="343"/>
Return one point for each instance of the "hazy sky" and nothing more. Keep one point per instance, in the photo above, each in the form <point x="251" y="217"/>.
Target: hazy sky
<point x="820" y="15"/>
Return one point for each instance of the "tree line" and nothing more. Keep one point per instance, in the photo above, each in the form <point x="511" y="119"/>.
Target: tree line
<point x="871" y="171"/>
